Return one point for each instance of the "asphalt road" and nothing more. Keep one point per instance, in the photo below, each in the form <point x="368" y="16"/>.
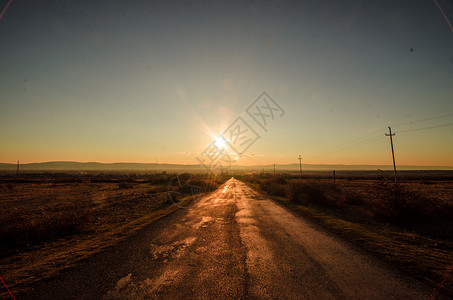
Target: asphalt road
<point x="233" y="243"/>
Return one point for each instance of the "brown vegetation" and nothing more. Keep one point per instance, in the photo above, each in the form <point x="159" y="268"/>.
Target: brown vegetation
<point x="382" y="200"/>
<point x="24" y="227"/>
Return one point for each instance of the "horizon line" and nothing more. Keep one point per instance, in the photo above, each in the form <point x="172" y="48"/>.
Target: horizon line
<point x="248" y="165"/>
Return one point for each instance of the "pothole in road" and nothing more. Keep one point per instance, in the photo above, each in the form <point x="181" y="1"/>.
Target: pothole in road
<point x="203" y="223"/>
<point x="174" y="250"/>
<point x="206" y="221"/>
<point x="200" y="250"/>
<point x="127" y="288"/>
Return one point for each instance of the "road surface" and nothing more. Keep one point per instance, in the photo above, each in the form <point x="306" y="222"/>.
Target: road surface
<point x="233" y="243"/>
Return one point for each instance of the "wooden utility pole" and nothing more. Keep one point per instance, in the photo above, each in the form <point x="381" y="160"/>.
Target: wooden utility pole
<point x="17" y="170"/>
<point x="300" y="165"/>
<point x="390" y="134"/>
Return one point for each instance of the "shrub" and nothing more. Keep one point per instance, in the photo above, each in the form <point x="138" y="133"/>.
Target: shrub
<point x="273" y="187"/>
<point x="395" y="203"/>
<point x="312" y="192"/>
<point x="125" y="185"/>
<point x="173" y="197"/>
<point x="351" y="197"/>
<point x="26" y="227"/>
<point x="280" y="179"/>
<point x="154" y="189"/>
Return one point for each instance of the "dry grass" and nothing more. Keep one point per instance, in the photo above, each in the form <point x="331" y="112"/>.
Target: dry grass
<point x="384" y="201"/>
<point x="23" y="228"/>
<point x="313" y="191"/>
<point x="397" y="203"/>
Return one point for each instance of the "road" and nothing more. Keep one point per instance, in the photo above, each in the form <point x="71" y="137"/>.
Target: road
<point x="233" y="243"/>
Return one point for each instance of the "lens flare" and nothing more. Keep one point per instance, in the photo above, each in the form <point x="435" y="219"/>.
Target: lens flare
<point x="220" y="142"/>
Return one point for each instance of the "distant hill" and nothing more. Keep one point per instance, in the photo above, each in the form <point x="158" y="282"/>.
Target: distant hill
<point x="322" y="167"/>
<point x="95" y="166"/>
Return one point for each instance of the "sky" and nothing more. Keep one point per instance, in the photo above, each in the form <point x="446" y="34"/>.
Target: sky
<point x="158" y="81"/>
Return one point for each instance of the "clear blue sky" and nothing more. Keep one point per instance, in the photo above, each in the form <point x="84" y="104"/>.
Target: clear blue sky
<point x="149" y="81"/>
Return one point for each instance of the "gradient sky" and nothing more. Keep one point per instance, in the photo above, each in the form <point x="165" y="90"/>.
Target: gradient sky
<point x="149" y="81"/>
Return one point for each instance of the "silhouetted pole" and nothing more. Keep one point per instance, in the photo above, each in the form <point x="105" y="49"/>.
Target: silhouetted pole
<point x="390" y="134"/>
<point x="333" y="175"/>
<point x="300" y="165"/>
<point x="274" y="170"/>
<point x="17" y="170"/>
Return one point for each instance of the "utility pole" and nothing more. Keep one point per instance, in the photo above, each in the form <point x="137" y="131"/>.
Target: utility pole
<point x="333" y="175"/>
<point x="390" y="134"/>
<point x="17" y="170"/>
<point x="274" y="170"/>
<point x="300" y="165"/>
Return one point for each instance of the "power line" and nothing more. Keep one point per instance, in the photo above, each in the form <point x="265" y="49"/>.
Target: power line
<point x="370" y="141"/>
<point x="349" y="145"/>
<point x="361" y="143"/>
<point x="423" y="120"/>
<point x="377" y="135"/>
<point x="352" y="143"/>
<point x="426" y="128"/>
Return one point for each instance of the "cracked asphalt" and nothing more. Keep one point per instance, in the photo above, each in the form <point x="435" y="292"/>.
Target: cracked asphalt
<point x="232" y="243"/>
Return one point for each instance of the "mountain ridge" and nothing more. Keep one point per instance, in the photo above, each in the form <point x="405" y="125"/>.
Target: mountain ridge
<point x="131" y="166"/>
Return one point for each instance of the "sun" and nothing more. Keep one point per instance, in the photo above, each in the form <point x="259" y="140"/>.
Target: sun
<point x="220" y="142"/>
